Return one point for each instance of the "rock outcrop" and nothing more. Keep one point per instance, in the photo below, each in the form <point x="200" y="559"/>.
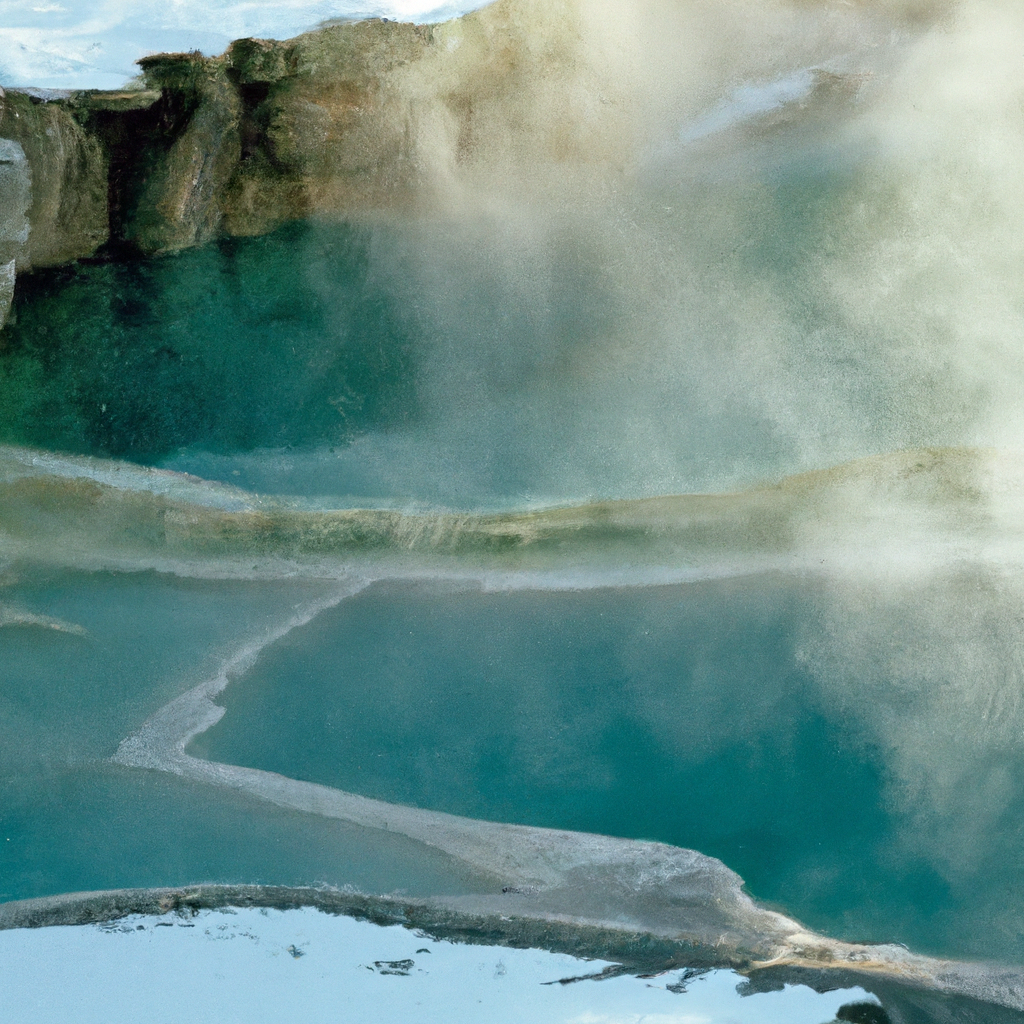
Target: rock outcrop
<point x="356" y="117"/>
<point x="55" y="163"/>
<point x="15" y="199"/>
<point x="55" y="177"/>
<point x="352" y="117"/>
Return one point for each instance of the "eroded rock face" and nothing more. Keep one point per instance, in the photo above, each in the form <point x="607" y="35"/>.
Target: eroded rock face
<point x="15" y="199"/>
<point x="326" y="123"/>
<point x="6" y="290"/>
<point x="520" y="98"/>
<point x="62" y="168"/>
<point x="368" y="117"/>
<point x="353" y="118"/>
<point x="183" y="173"/>
<point x="271" y="132"/>
<point x="384" y="116"/>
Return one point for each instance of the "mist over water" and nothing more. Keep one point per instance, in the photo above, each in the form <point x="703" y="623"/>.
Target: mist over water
<point x="703" y="247"/>
<point x="671" y="249"/>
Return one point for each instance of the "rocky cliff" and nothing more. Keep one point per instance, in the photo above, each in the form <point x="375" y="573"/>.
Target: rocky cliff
<point x="350" y="118"/>
<point x="53" y="188"/>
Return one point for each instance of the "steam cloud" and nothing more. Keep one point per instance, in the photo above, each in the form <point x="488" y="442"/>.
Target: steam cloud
<point x="676" y="247"/>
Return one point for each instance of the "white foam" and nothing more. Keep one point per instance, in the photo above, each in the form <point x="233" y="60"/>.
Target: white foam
<point x="17" y="463"/>
<point x="11" y="616"/>
<point x="162" y="738"/>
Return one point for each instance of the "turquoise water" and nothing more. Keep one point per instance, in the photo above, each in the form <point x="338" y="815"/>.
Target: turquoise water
<point x="754" y="721"/>
<point x="679" y="714"/>
<point x="68" y="698"/>
<point x="266" y="342"/>
<point x="100" y="827"/>
<point x="70" y="821"/>
<point x="705" y="715"/>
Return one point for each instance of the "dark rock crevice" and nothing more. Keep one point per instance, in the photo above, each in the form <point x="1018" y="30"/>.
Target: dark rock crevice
<point x="136" y="141"/>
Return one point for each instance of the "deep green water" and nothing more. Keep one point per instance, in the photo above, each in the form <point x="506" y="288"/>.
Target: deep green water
<point x="478" y="363"/>
<point x="264" y="361"/>
<point x="267" y="342"/>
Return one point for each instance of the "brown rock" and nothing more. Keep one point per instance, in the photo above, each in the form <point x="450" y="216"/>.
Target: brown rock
<point x="180" y="200"/>
<point x="354" y="118"/>
<point x="67" y="177"/>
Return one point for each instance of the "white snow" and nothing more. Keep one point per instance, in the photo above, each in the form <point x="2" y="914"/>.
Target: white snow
<point x="253" y="966"/>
